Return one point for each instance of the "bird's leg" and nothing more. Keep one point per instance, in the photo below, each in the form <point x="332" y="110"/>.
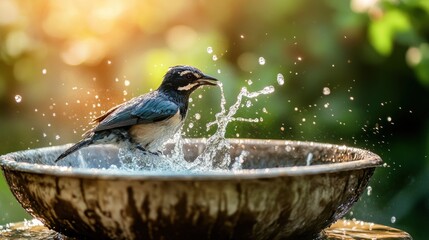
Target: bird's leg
<point x="157" y="153"/>
<point x="139" y="147"/>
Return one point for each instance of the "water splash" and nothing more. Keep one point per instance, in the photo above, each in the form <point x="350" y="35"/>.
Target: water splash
<point x="214" y="157"/>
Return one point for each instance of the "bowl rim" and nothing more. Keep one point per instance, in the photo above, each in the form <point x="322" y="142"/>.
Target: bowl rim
<point x="370" y="161"/>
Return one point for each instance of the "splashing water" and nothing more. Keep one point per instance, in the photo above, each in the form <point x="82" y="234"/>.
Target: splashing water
<point x="214" y="157"/>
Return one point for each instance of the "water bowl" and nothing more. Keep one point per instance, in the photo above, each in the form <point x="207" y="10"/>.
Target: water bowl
<point x="286" y="189"/>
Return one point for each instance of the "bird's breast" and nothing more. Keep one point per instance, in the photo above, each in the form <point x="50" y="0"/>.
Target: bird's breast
<point x="152" y="136"/>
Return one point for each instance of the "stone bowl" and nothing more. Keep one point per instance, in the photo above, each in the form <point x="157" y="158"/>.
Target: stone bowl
<point x="286" y="189"/>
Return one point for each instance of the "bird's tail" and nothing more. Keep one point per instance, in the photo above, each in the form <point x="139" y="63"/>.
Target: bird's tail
<point x="83" y="143"/>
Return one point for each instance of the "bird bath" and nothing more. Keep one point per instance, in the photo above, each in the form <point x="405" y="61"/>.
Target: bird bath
<point x="285" y="189"/>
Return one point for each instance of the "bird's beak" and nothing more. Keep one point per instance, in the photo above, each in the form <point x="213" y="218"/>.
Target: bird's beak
<point x="207" y="80"/>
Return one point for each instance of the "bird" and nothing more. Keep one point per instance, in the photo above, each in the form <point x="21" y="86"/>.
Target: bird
<point x="147" y="121"/>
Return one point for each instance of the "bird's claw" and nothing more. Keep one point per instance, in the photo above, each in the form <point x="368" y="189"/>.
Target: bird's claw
<point x="139" y="147"/>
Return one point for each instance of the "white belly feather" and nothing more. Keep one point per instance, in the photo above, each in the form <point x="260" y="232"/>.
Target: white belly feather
<point x="151" y="136"/>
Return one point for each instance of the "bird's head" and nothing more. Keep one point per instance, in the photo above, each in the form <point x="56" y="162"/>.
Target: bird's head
<point x="185" y="79"/>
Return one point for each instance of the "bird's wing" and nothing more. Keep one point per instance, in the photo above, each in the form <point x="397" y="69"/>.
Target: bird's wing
<point x="106" y="114"/>
<point x="142" y="109"/>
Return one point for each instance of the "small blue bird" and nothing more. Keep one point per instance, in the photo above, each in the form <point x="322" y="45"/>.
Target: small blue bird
<point x="149" y="120"/>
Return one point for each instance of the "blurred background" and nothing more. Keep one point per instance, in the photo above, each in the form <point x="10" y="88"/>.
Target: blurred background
<point x="346" y="72"/>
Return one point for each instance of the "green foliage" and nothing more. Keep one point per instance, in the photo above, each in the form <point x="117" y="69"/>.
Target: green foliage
<point x="382" y="32"/>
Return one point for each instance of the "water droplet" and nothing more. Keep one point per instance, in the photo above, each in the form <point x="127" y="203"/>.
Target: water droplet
<point x="249" y="82"/>
<point x="326" y="105"/>
<point x="57" y="137"/>
<point x="248" y="103"/>
<point x="127" y="83"/>
<point x="261" y="61"/>
<point x="309" y="159"/>
<point x="44" y="135"/>
<point x="299" y="59"/>
<point x="44" y="71"/>
<point x="264" y="110"/>
<point x="241" y="36"/>
<point x="125" y="93"/>
<point x="190" y="100"/>
<point x="200" y="96"/>
<point x="219" y="71"/>
<point x="303" y="119"/>
<point x="326" y="91"/>
<point x="214" y="57"/>
<point x="18" y="98"/>
<point x="369" y="190"/>
<point x="280" y="79"/>
<point x="268" y="89"/>
<point x="393" y="219"/>
<point x="191" y="125"/>
<point x="197" y="116"/>
<point x="282" y="129"/>
<point x="352" y="98"/>
<point x="109" y="62"/>
<point x="209" y="50"/>
<point x="389" y="119"/>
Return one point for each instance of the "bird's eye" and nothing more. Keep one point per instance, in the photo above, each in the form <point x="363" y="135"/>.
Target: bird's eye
<point x="189" y="76"/>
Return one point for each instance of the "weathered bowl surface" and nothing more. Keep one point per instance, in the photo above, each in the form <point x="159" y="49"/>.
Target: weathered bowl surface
<point x="275" y="196"/>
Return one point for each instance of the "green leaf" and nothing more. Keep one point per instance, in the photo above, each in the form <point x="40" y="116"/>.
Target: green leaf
<point x="382" y="31"/>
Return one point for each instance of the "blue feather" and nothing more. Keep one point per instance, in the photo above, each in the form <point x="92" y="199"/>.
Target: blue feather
<point x="149" y="108"/>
